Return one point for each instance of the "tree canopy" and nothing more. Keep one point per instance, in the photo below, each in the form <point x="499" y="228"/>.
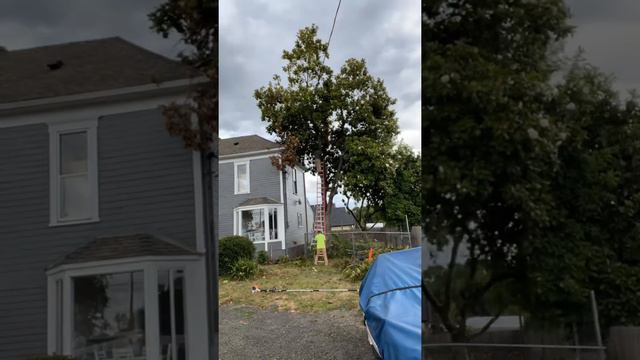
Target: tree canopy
<point x="344" y="119"/>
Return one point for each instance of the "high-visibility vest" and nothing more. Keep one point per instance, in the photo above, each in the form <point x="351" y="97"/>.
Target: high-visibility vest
<point x="320" y="244"/>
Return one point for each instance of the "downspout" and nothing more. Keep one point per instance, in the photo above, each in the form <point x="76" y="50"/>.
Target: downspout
<point x="209" y="162"/>
<point x="286" y="207"/>
<point x="306" y="217"/>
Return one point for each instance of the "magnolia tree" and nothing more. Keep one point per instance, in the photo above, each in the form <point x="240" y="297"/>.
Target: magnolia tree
<point x="345" y="120"/>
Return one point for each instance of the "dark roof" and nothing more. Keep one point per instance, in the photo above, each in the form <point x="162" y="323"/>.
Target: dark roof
<point x="85" y="66"/>
<point x="124" y="246"/>
<point x="259" y="201"/>
<point x="244" y="144"/>
<point x="339" y="216"/>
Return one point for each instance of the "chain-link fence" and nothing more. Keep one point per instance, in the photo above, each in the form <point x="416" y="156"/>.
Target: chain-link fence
<point x="356" y="244"/>
<point x="518" y="337"/>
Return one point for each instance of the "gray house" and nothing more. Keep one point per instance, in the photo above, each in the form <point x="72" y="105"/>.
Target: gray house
<point x="101" y="211"/>
<point x="260" y="202"/>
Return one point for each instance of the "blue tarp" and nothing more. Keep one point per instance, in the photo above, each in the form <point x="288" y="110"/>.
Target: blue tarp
<point x="390" y="298"/>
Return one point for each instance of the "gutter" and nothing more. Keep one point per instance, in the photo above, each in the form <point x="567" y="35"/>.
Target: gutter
<point x="91" y="97"/>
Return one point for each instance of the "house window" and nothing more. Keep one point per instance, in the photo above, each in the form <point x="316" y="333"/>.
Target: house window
<point x="73" y="170"/>
<point x="241" y="177"/>
<point x="172" y="315"/>
<point x="108" y="316"/>
<point x="260" y="224"/>
<point x="252" y="224"/>
<point x="273" y="224"/>
<point x="299" y="220"/>
<point x="294" y="178"/>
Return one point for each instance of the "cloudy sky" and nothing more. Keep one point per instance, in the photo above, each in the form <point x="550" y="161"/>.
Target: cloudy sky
<point x="609" y="32"/>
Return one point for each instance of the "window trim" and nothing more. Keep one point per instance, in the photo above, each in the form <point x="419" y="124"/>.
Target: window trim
<point x="194" y="274"/>
<point x="235" y="177"/>
<point x="237" y="215"/>
<point x="55" y="130"/>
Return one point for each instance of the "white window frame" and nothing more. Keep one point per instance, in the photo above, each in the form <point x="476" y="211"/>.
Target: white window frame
<point x="294" y="181"/>
<point x="195" y="300"/>
<point x="235" y="177"/>
<point x="265" y="208"/>
<point x="55" y="131"/>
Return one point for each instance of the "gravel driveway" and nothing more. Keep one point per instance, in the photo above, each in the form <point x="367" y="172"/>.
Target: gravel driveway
<point x="250" y="333"/>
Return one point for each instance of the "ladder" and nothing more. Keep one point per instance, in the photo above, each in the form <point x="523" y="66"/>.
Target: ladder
<point x="320" y="222"/>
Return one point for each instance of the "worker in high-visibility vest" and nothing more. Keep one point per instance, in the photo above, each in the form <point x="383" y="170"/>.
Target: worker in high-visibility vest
<point x="321" y="247"/>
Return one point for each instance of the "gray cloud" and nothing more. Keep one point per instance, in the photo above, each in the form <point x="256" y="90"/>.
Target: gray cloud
<point x="25" y="24"/>
<point x="608" y="31"/>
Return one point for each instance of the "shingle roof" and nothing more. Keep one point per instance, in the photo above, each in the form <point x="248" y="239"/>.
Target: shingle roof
<point x="123" y="246"/>
<point x="244" y="144"/>
<point x="339" y="216"/>
<point x="259" y="201"/>
<point x="86" y="66"/>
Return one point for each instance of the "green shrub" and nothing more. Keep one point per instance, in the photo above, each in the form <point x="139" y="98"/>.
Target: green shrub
<point x="283" y="260"/>
<point x="52" y="357"/>
<point x="356" y="271"/>
<point x="244" y="269"/>
<point x="232" y="249"/>
<point x="263" y="257"/>
<point x="302" y="262"/>
<point x="340" y="263"/>
<point x="340" y="247"/>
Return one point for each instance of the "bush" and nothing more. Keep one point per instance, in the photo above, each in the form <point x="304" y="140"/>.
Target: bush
<point x="52" y="357"/>
<point x="232" y="249"/>
<point x="244" y="269"/>
<point x="263" y="257"/>
<point x="340" y="247"/>
<point x="283" y="260"/>
<point x="340" y="263"/>
<point x="356" y="271"/>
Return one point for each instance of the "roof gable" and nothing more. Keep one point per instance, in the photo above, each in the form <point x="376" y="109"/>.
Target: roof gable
<point x="81" y="67"/>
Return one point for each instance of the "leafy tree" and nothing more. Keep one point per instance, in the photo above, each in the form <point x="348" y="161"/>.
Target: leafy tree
<point x="345" y="120"/>
<point x="491" y="146"/>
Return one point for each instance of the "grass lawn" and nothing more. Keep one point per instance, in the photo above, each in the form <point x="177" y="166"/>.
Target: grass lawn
<point x="290" y="276"/>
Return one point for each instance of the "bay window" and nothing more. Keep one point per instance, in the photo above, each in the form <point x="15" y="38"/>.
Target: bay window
<point x="262" y="224"/>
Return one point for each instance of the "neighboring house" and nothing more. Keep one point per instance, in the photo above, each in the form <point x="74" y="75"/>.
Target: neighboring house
<point x="260" y="202"/>
<point x="101" y="218"/>
<point x="341" y="219"/>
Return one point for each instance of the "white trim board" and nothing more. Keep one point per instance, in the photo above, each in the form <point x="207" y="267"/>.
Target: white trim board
<point x="90" y="111"/>
<point x="198" y="202"/>
<point x="275" y="151"/>
<point x="165" y="86"/>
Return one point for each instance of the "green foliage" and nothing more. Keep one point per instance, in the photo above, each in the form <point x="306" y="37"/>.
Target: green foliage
<point x="244" y="269"/>
<point x="345" y="120"/>
<point x="263" y="257"/>
<point x="356" y="271"/>
<point x="340" y="263"/>
<point x="340" y="247"/>
<point x="492" y="145"/>
<point x="403" y="195"/>
<point x="232" y="249"/>
<point x="283" y="260"/>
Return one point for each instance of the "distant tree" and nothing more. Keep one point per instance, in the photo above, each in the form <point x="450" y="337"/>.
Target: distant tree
<point x="404" y="191"/>
<point x="345" y="120"/>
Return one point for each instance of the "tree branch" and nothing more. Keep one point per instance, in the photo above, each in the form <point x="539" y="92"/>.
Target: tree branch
<point x="488" y="324"/>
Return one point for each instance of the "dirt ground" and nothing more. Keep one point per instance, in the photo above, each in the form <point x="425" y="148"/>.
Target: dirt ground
<point x="248" y="332"/>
